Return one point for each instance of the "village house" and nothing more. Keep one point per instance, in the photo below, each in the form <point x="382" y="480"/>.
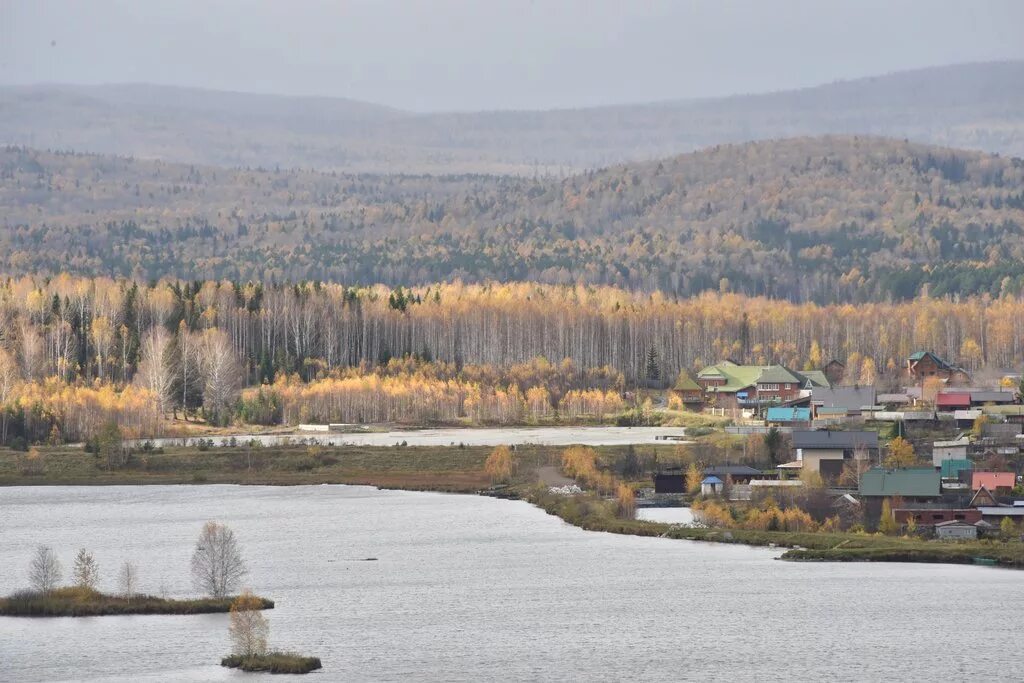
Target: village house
<point x="732" y="387"/>
<point x="949" y="450"/>
<point x="934" y="516"/>
<point x="735" y="474"/>
<point x="910" y="486"/>
<point x="834" y="371"/>
<point x="841" y="402"/>
<point x="998" y="482"/>
<point x="688" y="391"/>
<point x="825" y="451"/>
<point x="924" y="364"/>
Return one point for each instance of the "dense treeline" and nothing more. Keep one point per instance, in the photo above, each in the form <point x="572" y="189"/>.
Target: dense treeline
<point x="823" y="219"/>
<point x="76" y="353"/>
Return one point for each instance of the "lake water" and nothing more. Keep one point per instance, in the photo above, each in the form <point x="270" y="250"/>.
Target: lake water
<point x="508" y="436"/>
<point x="468" y="588"/>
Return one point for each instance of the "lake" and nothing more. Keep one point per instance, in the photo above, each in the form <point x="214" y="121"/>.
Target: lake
<point x="451" y="436"/>
<point x="468" y="588"/>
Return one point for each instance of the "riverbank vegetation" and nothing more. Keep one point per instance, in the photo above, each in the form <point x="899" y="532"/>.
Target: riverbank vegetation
<point x="74" y="601"/>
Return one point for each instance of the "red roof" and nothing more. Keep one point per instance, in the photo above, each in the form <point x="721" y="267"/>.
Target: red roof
<point x="992" y="480"/>
<point x="953" y="399"/>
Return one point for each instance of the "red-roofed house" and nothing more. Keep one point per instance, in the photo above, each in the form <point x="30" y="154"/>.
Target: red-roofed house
<point x="992" y="480"/>
<point x="953" y="400"/>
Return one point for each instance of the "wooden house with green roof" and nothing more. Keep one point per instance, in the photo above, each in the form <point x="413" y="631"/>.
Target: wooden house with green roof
<point x="688" y="391"/>
<point x="731" y="386"/>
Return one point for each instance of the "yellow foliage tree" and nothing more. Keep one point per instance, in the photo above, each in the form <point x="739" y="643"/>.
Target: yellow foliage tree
<point x="625" y="501"/>
<point x="901" y="454"/>
<point x="499" y="465"/>
<point x="887" y="523"/>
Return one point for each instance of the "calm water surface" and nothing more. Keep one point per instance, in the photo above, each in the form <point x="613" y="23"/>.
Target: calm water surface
<point x="468" y="589"/>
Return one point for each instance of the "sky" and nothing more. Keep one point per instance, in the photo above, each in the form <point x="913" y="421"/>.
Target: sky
<point x="440" y="55"/>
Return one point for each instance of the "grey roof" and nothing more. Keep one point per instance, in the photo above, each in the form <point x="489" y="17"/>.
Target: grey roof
<point x="851" y="398"/>
<point x="1001" y="511"/>
<point x="992" y="397"/>
<point x="829" y="439"/>
<point x="734" y="470"/>
<point x="893" y="398"/>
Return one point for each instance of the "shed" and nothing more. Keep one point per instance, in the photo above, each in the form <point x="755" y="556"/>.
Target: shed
<point x="980" y="398"/>
<point x="955" y="530"/>
<point x="780" y="415"/>
<point x="737" y="473"/>
<point x="949" y="450"/>
<point x="670" y="482"/>
<point x="711" y="486"/>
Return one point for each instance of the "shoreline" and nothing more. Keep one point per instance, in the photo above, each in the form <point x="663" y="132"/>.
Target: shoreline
<point x="460" y="470"/>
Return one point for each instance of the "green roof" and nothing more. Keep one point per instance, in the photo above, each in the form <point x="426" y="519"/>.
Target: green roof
<point x="685" y="382"/>
<point x="817" y="378"/>
<point x="778" y="374"/>
<point x="915" y="482"/>
<point x="951" y="468"/>
<point x="742" y="376"/>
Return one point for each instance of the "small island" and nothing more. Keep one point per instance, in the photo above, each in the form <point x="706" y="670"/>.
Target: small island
<point x="74" y="601"/>
<point x="273" y="662"/>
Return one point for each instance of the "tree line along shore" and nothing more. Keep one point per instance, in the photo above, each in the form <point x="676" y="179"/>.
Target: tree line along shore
<point x="608" y="479"/>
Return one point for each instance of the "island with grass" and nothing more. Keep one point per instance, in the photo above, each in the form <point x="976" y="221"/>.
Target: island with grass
<point x="74" y="601"/>
<point x="273" y="662"/>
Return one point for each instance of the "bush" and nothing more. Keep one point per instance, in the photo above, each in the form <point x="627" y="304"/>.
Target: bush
<point x="273" y="662"/>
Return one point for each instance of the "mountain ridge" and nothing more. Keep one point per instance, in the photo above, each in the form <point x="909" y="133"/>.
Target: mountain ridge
<point x="974" y="106"/>
<point x="825" y="218"/>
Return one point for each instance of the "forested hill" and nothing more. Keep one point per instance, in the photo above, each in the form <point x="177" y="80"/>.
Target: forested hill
<point x="825" y="219"/>
<point x="972" y="106"/>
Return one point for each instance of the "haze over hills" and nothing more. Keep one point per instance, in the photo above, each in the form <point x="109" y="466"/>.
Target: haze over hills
<point x="970" y="106"/>
<point x="828" y="218"/>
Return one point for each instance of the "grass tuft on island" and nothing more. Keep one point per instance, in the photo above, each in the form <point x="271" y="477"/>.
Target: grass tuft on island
<point x="273" y="662"/>
<point x="84" y="602"/>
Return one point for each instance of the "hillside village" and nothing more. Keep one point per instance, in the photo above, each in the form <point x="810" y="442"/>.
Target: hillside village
<point x="940" y="457"/>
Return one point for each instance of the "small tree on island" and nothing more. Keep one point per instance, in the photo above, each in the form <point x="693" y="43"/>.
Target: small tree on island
<point x="128" y="580"/>
<point x="45" y="571"/>
<point x="217" y="565"/>
<point x="248" y="627"/>
<point x="86" y="572"/>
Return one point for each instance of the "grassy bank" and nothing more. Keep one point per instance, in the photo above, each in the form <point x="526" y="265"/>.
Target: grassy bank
<point x="451" y="469"/>
<point x="595" y="514"/>
<point x="79" y="602"/>
<point x="273" y="662"/>
<point x="456" y="469"/>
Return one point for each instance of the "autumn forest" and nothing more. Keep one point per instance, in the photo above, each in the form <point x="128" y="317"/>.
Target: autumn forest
<point x="79" y="353"/>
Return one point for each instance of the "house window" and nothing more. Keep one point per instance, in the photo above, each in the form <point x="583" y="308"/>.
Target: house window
<point x="960" y="516"/>
<point x="936" y="516"/>
<point x="767" y="387"/>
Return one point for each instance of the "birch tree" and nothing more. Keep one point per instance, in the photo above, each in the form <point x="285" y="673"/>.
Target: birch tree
<point x="45" y="571"/>
<point x="217" y="565"/>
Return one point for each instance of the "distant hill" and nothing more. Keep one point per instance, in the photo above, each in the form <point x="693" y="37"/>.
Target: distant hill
<point x="972" y="106"/>
<point x="837" y="218"/>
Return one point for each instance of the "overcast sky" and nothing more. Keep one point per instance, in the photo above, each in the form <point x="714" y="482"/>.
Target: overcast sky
<point x="496" y="54"/>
